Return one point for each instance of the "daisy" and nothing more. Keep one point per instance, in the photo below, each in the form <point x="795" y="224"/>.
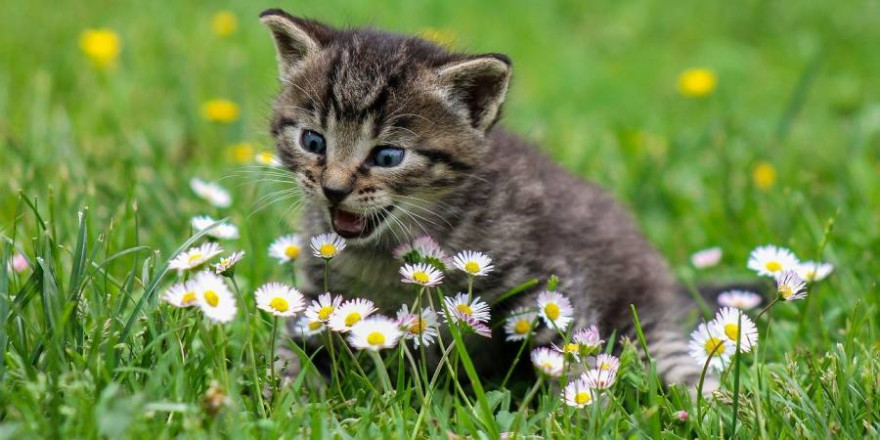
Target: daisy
<point x="571" y="348"/>
<point x="223" y="231"/>
<point x="555" y="309"/>
<point x="460" y="307"/>
<point x="520" y="323"/>
<point x="214" y="297"/>
<point x="212" y="192"/>
<point x="475" y="264"/>
<point x="733" y="323"/>
<point x="375" y="333"/>
<point x="476" y="326"/>
<point x="740" y="299"/>
<point x="707" y="257"/>
<point x="195" y="257"/>
<point x="181" y="295"/>
<point x="814" y="271"/>
<point x="705" y="343"/>
<point x="350" y="313"/>
<point x="279" y="299"/>
<point x="421" y="328"/>
<point x="305" y="328"/>
<point x="577" y="394"/>
<point x="588" y="338"/>
<point x="548" y="361"/>
<point x="267" y="158"/>
<point x="422" y="274"/>
<point x="423" y="249"/>
<point x="790" y="286"/>
<point x="322" y="308"/>
<point x="226" y="266"/>
<point x="286" y="249"/>
<point x="327" y="246"/>
<point x="607" y="362"/>
<point x="770" y="260"/>
<point x="599" y="379"/>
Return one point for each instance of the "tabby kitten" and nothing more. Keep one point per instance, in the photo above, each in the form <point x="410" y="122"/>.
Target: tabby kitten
<point x="391" y="137"/>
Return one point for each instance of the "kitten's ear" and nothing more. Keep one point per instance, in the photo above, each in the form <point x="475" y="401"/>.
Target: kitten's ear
<point x="479" y="85"/>
<point x="295" y="38"/>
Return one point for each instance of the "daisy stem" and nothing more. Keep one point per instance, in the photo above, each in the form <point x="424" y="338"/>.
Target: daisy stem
<point x="736" y="375"/>
<point x="381" y="371"/>
<point x="430" y="391"/>
<point x="272" y="351"/>
<point x="326" y="275"/>
<point x="250" y="347"/>
<point x="519" y="353"/>
<point x="767" y="309"/>
<point x="333" y="373"/>
<point x="702" y="378"/>
<point x="470" y="288"/>
<point x="525" y="404"/>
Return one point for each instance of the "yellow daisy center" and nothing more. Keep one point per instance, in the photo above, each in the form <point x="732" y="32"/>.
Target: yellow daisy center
<point x="732" y="331"/>
<point x="327" y="250"/>
<point x="418" y="327"/>
<point x="376" y="338"/>
<point x="194" y="257"/>
<point x="352" y="319"/>
<point x="420" y="277"/>
<point x="810" y="275"/>
<point x="714" y="345"/>
<point x="212" y="298"/>
<point x="548" y="366"/>
<point x="552" y="311"/>
<point x="325" y="312"/>
<point x="605" y="366"/>
<point x="291" y="251"/>
<point x="464" y="309"/>
<point x="522" y="327"/>
<point x="773" y="266"/>
<point x="785" y="291"/>
<point x="314" y="325"/>
<point x="582" y="398"/>
<point x="472" y="267"/>
<point x="279" y="304"/>
<point x="571" y="347"/>
<point x="188" y="298"/>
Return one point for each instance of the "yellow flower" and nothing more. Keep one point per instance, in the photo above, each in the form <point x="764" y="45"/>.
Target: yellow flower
<point x="102" y="46"/>
<point x="697" y="83"/>
<point x="443" y="37"/>
<point x="764" y="175"/>
<point x="242" y="152"/>
<point x="220" y="110"/>
<point x="224" y="23"/>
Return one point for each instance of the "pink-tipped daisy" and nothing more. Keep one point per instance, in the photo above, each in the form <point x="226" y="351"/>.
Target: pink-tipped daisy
<point x="578" y="394"/>
<point x="790" y="286"/>
<point x="555" y="309"/>
<point x="460" y="307"/>
<point x="548" y="361"/>
<point x="740" y="299"/>
<point x="421" y="328"/>
<point x="520" y="323"/>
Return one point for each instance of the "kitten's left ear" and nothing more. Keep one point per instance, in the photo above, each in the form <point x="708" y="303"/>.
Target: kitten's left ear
<point x="479" y="85"/>
<point x="295" y="38"/>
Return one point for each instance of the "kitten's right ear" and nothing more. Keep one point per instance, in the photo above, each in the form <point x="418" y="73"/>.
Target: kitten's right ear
<point x="295" y="38"/>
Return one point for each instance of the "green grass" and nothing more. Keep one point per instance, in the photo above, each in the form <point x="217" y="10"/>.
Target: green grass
<point x="89" y="352"/>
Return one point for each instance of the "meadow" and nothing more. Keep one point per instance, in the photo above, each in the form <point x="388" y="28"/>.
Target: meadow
<point x="729" y="125"/>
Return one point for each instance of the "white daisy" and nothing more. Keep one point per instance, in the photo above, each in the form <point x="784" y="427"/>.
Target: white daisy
<point x="599" y="379"/>
<point x="374" y="333"/>
<point x="212" y="192"/>
<point x="459" y="307"/>
<point x="770" y="260"/>
<point x="548" y="361"/>
<point x="475" y="264"/>
<point x="607" y="362"/>
<point x="790" y="286"/>
<point x="322" y="308"/>
<point x="305" y="328"/>
<point x="740" y="299"/>
<point x="195" y="257"/>
<point x="707" y="257"/>
<point x="731" y="322"/>
<point x="578" y="394"/>
<point x="214" y="297"/>
<point x="286" y="249"/>
<point x="181" y="295"/>
<point x="279" y="299"/>
<point x="226" y="266"/>
<point x="570" y="348"/>
<point x="350" y="313"/>
<point x="223" y="231"/>
<point x="555" y="309"/>
<point x="267" y="158"/>
<point x="588" y="338"/>
<point x="420" y="329"/>
<point x="520" y="323"/>
<point x="706" y="342"/>
<point x="327" y="246"/>
<point x="422" y="274"/>
<point x="814" y="271"/>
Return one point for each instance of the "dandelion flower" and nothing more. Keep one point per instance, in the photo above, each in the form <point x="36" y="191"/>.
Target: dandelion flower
<point x="460" y="307"/>
<point x="375" y="333"/>
<point x="771" y="260"/>
<point x="707" y="342"/>
<point x="279" y="299"/>
<point x="555" y="309"/>
<point x="764" y="175"/>
<point x="211" y="192"/>
<point x="195" y="257"/>
<point x="421" y="327"/>
<point x="588" y="338"/>
<point x="214" y="297"/>
<point x="578" y="394"/>
<point x="422" y="274"/>
<point x="600" y="379"/>
<point x="740" y="299"/>
<point x="305" y="328"/>
<point x="519" y="324"/>
<point x="790" y="286"/>
<point x="322" y="308"/>
<point x="732" y="322"/>
<point x="707" y="258"/>
<point x="697" y="82"/>
<point x="267" y="158"/>
<point x="242" y="152"/>
<point x="327" y="246"/>
<point x="101" y="46"/>
<point x="814" y="271"/>
<point x="548" y="361"/>
<point x="224" y="23"/>
<point x="181" y="295"/>
<point x="219" y="110"/>
<point x="226" y="266"/>
<point x="350" y="313"/>
<point x="286" y="249"/>
<point x="475" y="264"/>
<point x="223" y="231"/>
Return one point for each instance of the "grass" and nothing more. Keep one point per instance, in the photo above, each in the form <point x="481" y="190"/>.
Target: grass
<point x="89" y="352"/>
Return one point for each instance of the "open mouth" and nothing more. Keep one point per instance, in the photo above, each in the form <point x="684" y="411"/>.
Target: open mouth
<point x="353" y="225"/>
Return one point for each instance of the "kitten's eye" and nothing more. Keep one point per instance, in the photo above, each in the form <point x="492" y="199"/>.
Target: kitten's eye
<point x="387" y="156"/>
<point x="313" y="142"/>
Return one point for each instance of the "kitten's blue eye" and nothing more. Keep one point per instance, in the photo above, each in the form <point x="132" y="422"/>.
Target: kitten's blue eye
<point x="386" y="156"/>
<point x="313" y="142"/>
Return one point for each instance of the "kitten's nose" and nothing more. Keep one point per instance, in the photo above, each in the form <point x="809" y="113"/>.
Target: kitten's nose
<point x="335" y="195"/>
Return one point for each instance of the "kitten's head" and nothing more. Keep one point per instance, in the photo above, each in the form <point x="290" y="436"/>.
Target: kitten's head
<point x="374" y="124"/>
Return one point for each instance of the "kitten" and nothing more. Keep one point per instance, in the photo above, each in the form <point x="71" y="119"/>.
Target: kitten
<point x="390" y="137"/>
